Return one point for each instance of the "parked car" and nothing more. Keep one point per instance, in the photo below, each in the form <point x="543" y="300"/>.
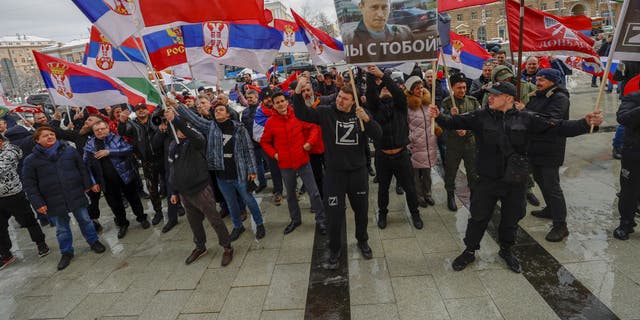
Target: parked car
<point x="44" y="100"/>
<point x="416" y="19"/>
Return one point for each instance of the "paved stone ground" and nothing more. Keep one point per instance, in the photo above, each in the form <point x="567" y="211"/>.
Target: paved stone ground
<point x="143" y="276"/>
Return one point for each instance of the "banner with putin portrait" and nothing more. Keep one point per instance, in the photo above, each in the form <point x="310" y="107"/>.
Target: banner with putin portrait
<point x="388" y="31"/>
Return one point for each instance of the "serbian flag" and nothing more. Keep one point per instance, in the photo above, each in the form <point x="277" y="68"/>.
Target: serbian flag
<point x="323" y="49"/>
<point x="74" y="85"/>
<point x="241" y="43"/>
<point x="292" y="38"/>
<point x="174" y="13"/>
<point x="272" y="70"/>
<point x="465" y="54"/>
<point x="165" y="47"/>
<point x="113" y="17"/>
<point x="448" y="5"/>
<point x="126" y="65"/>
<point x="545" y="33"/>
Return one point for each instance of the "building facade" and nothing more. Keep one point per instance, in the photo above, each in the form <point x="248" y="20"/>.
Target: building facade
<point x="18" y="70"/>
<point x="72" y="51"/>
<point x="482" y="23"/>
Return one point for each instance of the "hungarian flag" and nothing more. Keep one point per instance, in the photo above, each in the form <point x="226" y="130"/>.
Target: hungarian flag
<point x="545" y="33"/>
<point x="170" y="13"/>
<point x="448" y="5"/>
<point x="126" y="65"/>
<point x="323" y="49"/>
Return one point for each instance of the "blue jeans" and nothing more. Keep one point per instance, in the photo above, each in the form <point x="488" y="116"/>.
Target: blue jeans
<point x="262" y="179"/>
<point x="228" y="189"/>
<point x="63" y="231"/>
<point x="617" y="138"/>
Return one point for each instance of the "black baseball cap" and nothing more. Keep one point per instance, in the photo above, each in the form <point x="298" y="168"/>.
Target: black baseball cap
<point x="502" y="88"/>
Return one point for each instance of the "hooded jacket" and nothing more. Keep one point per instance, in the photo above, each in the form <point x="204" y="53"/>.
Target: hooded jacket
<point x="422" y="144"/>
<point x="390" y="113"/>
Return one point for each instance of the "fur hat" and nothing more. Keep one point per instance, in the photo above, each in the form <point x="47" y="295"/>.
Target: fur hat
<point x="552" y="75"/>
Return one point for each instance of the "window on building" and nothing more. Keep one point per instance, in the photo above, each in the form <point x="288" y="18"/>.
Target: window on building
<point x="502" y="12"/>
<point x="502" y="33"/>
<point x="24" y="60"/>
<point x="459" y="17"/>
<point x="482" y="34"/>
<point x="557" y="4"/>
<point x="474" y="15"/>
<point x="543" y="6"/>
<point x="487" y="13"/>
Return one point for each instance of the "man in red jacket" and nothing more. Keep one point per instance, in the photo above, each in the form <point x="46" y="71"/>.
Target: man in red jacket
<point x="283" y="140"/>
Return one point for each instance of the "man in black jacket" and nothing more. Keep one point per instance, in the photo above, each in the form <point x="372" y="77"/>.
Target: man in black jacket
<point x="479" y="86"/>
<point x="502" y="131"/>
<point x="142" y="130"/>
<point x="629" y="116"/>
<point x="345" y="163"/>
<point x="388" y="105"/>
<point x="546" y="151"/>
<point x="190" y="182"/>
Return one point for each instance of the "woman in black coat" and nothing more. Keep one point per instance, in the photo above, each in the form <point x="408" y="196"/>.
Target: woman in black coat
<point x="55" y="180"/>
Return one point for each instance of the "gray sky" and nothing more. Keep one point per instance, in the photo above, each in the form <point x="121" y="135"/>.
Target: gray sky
<point x="61" y="20"/>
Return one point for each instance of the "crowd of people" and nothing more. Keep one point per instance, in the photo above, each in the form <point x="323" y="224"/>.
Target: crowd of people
<point x="209" y="160"/>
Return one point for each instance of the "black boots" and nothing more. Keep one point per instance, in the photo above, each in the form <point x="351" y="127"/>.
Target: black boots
<point x="622" y="232"/>
<point x="558" y="232"/>
<point x="451" y="201"/>
<point x="511" y="260"/>
<point x="463" y="260"/>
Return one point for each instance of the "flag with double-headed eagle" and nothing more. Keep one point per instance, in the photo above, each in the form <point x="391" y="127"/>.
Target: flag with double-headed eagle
<point x="465" y="54"/>
<point x="244" y="43"/>
<point x="323" y="49"/>
<point x="292" y="39"/>
<point x="75" y="85"/>
<point x="126" y="64"/>
<point x="165" y="47"/>
<point x="114" y="18"/>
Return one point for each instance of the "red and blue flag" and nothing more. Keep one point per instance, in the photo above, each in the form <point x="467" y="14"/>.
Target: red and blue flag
<point x="323" y="49"/>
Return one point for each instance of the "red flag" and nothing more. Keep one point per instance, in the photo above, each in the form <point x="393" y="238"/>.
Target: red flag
<point x="544" y="33"/>
<point x="448" y="5"/>
<point x="632" y="85"/>
<point x="162" y="12"/>
<point x="284" y="85"/>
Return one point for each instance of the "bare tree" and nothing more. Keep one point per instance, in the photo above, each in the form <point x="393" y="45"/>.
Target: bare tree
<point x="318" y="19"/>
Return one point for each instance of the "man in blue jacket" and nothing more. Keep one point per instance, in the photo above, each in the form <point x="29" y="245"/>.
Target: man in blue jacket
<point x="108" y="158"/>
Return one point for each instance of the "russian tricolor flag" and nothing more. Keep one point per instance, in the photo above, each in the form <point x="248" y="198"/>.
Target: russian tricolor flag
<point x="165" y="48"/>
<point x="113" y="17"/>
<point x="292" y="38"/>
<point x="323" y="49"/>
<point x="74" y="85"/>
<point x="241" y="43"/>
<point x="465" y="54"/>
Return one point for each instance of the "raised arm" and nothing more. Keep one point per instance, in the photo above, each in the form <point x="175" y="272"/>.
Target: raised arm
<point x="198" y="122"/>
